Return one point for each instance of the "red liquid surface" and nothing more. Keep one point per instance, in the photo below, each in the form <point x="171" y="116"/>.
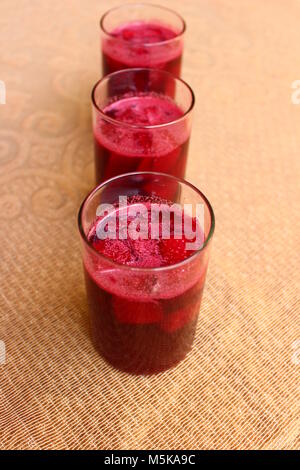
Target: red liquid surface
<point x="145" y="330"/>
<point x="141" y="44"/>
<point x="122" y="149"/>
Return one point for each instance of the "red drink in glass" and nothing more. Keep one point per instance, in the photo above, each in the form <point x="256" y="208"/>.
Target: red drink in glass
<point x="144" y="294"/>
<point x="142" y="36"/>
<point x="141" y="122"/>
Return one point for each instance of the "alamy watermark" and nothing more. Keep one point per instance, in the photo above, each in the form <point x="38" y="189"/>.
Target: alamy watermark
<point x="2" y="92"/>
<point x="295" y="97"/>
<point x="141" y="220"/>
<point x="2" y="352"/>
<point x="296" y="352"/>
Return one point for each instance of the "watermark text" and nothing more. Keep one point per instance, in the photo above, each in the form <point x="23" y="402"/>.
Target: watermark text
<point x="153" y="221"/>
<point x="2" y="92"/>
<point x="2" y="352"/>
<point x="295" y="97"/>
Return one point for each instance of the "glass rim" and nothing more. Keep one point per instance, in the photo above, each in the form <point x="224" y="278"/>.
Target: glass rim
<point x="142" y="5"/>
<point x="137" y="268"/>
<point x="142" y="126"/>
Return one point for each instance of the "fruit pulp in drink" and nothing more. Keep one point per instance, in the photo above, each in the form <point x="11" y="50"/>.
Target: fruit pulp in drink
<point x="142" y="44"/>
<point x="140" y="132"/>
<point x="142" y="323"/>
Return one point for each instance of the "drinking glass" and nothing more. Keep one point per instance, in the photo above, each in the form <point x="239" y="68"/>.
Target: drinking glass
<point x="141" y="35"/>
<point x="142" y="121"/>
<point x="143" y="320"/>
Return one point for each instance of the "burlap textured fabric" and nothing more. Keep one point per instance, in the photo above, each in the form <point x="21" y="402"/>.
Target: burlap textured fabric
<point x="239" y="388"/>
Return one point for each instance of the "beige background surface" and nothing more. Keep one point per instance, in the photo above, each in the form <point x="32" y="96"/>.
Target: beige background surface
<point x="239" y="388"/>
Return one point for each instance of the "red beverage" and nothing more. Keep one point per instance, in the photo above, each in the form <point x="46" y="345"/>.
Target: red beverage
<point x="145" y="262"/>
<point x="142" y="35"/>
<point x="147" y="327"/>
<point x="126" y="148"/>
<point x="142" y="44"/>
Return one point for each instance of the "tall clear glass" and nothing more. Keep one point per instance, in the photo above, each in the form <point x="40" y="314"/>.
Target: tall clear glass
<point x="143" y="320"/>
<point x="142" y="121"/>
<point x="142" y="35"/>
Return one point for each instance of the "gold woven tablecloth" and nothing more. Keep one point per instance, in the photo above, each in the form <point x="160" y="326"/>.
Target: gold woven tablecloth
<point x="239" y="388"/>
